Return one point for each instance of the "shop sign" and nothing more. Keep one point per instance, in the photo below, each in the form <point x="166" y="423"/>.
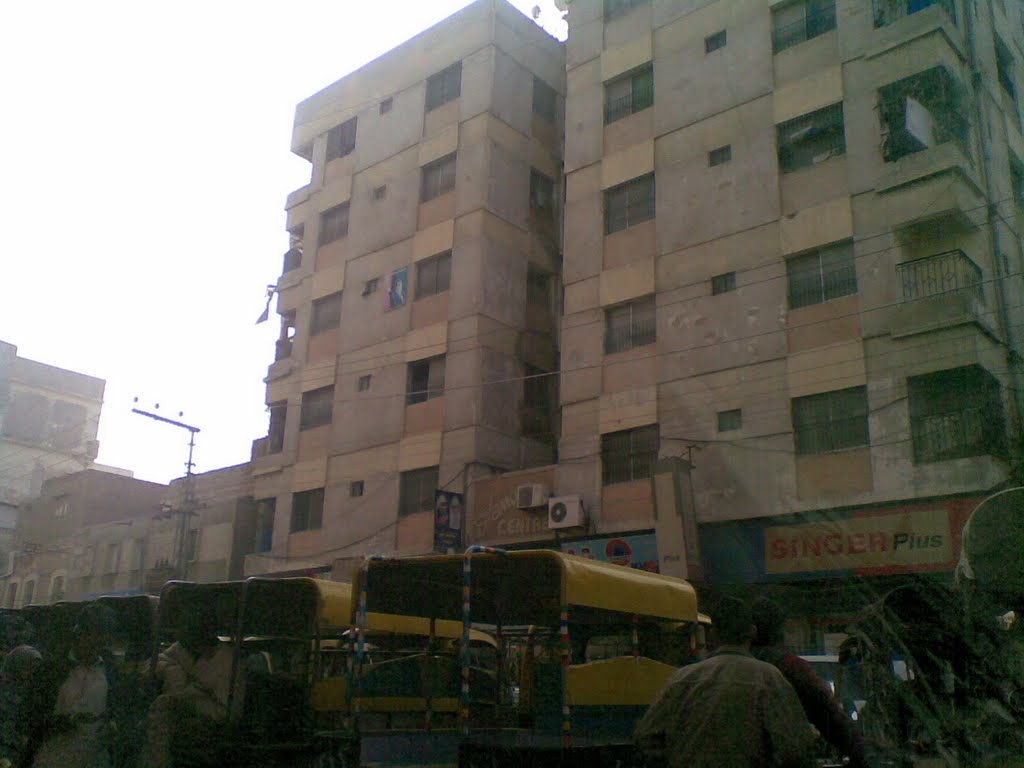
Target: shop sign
<point x="640" y="552"/>
<point x="495" y="517"/>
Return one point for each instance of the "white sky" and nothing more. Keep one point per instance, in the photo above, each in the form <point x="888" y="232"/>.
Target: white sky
<point x="144" y="165"/>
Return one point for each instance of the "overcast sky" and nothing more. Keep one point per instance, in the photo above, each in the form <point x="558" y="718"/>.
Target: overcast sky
<point x="144" y="165"/>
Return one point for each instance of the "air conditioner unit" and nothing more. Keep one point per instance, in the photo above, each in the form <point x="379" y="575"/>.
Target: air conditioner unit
<point x="565" y="512"/>
<point x="528" y="496"/>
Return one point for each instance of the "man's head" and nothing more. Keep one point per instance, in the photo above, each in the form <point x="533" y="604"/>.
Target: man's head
<point x="19" y="663"/>
<point x="734" y="622"/>
<point x="197" y="628"/>
<point x="769" y="620"/>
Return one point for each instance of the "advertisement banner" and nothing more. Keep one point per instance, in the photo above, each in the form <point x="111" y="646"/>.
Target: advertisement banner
<point x="398" y="288"/>
<point x="448" y="515"/>
<point x="640" y="552"/>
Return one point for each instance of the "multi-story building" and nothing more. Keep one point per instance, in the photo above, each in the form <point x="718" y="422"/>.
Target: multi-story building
<point x="85" y="534"/>
<point x="792" y="254"/>
<point x="49" y="418"/>
<point x="419" y="290"/>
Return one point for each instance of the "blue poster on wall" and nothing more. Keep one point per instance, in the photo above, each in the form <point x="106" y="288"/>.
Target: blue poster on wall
<point x="640" y="552"/>
<point x="398" y="288"/>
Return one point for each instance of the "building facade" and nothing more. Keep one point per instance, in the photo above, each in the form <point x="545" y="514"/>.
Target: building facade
<point x="419" y="298"/>
<point x="792" y="256"/>
<point x="49" y="419"/>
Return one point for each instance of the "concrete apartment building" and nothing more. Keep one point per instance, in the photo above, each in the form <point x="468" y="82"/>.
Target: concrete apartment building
<point x="49" y="418"/>
<point x="421" y="285"/>
<point x="792" y="254"/>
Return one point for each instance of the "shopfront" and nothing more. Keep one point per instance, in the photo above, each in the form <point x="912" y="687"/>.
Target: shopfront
<point x="826" y="566"/>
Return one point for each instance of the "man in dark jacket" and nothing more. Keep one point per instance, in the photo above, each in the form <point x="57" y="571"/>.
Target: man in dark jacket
<point x="819" y="704"/>
<point x="728" y="711"/>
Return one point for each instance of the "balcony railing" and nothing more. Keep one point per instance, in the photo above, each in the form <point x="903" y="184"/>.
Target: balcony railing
<point x="968" y="432"/>
<point x="807" y="28"/>
<point x="947" y="272"/>
<point x="890" y="11"/>
<point x="282" y="349"/>
<point x="640" y="98"/>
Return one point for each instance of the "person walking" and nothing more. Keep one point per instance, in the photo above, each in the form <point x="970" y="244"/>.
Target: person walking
<point x="819" y="704"/>
<point x="728" y="711"/>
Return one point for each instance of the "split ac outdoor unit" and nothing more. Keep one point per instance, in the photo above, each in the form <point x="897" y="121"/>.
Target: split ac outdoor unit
<point x="535" y="495"/>
<point x="565" y="512"/>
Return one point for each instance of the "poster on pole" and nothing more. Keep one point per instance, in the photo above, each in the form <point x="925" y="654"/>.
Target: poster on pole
<point x="448" y="515"/>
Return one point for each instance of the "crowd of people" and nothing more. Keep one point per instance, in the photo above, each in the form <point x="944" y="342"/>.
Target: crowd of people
<point x="80" y="705"/>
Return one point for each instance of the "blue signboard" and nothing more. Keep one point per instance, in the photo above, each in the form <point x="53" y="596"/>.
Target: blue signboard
<point x="639" y="551"/>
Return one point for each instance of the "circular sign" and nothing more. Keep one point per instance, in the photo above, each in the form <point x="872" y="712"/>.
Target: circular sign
<point x="618" y="551"/>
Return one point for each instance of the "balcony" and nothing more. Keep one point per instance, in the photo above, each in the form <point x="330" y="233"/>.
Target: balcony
<point x="283" y="349"/>
<point x="938" y="291"/>
<point x="640" y="98"/>
<point x="888" y="12"/>
<point x="957" y="435"/>
<point x="810" y="26"/>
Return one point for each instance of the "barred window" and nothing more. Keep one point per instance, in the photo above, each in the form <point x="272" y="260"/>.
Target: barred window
<point x="831" y="421"/>
<point x="629" y="204"/>
<point x="630" y="325"/>
<point x="425" y="380"/>
<point x="317" y="408"/>
<point x="811" y="139"/>
<point x="417" y="489"/>
<point x="438" y="178"/>
<point x="629" y="455"/>
<point x="341" y="140"/>
<point x="723" y="283"/>
<point x="628" y="94"/>
<point x="800" y="21"/>
<point x="434" y="275"/>
<point x="307" y="510"/>
<point x="730" y="420"/>
<point x="822" y="275"/>
<point x="956" y="413"/>
<point x="445" y="86"/>
<point x="544" y="98"/>
<point x="333" y="224"/>
<point x="326" y="314"/>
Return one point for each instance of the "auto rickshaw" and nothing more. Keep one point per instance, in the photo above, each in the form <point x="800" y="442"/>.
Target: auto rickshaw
<point x="550" y="696"/>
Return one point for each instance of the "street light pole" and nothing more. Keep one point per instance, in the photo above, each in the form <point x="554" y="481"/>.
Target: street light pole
<point x="189" y="505"/>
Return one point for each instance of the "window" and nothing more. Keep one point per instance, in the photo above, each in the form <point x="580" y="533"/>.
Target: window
<point x="438" y="178"/>
<point x="416" y="491"/>
<point x="628" y="455"/>
<point x="317" y="408"/>
<point x="425" y="380"/>
<point x="370" y="286"/>
<point x="355" y="488"/>
<point x="12" y="595"/>
<point x="921" y="111"/>
<point x="434" y="275"/>
<point x="538" y="402"/>
<point x="831" y="421"/>
<point x="286" y="339"/>
<point x="720" y="156"/>
<point x="538" y="287"/>
<point x="629" y="204"/>
<point x="57" y="589"/>
<point x="714" y="42"/>
<point x="326" y="314"/>
<point x="307" y="510"/>
<point x="723" y="283"/>
<point x="628" y="94"/>
<point x="113" y="557"/>
<point x="821" y="275"/>
<point x="542" y="193"/>
<point x="333" y="224"/>
<point x="629" y="325"/>
<point x="811" y="139"/>
<point x="445" y="86"/>
<point x="955" y="414"/>
<point x="275" y="436"/>
<point x="379" y="193"/>
<point x="266" y="511"/>
<point x="192" y="545"/>
<point x="341" y="140"/>
<point x="62" y="509"/>
<point x="385" y="106"/>
<point x="364" y="383"/>
<point x="803" y="20"/>
<point x="293" y="256"/>
<point x="544" y="98"/>
<point x="614" y="8"/>
<point x="730" y="420"/>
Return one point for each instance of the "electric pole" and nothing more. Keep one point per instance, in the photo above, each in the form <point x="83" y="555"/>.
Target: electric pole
<point x="189" y="505"/>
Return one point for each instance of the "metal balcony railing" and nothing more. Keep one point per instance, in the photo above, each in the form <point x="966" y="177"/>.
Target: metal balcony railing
<point x="947" y="272"/>
<point x="834" y="435"/>
<point x="969" y="432"/>
<point x="807" y="28"/>
<point x="887" y="12"/>
<point x="639" y="98"/>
